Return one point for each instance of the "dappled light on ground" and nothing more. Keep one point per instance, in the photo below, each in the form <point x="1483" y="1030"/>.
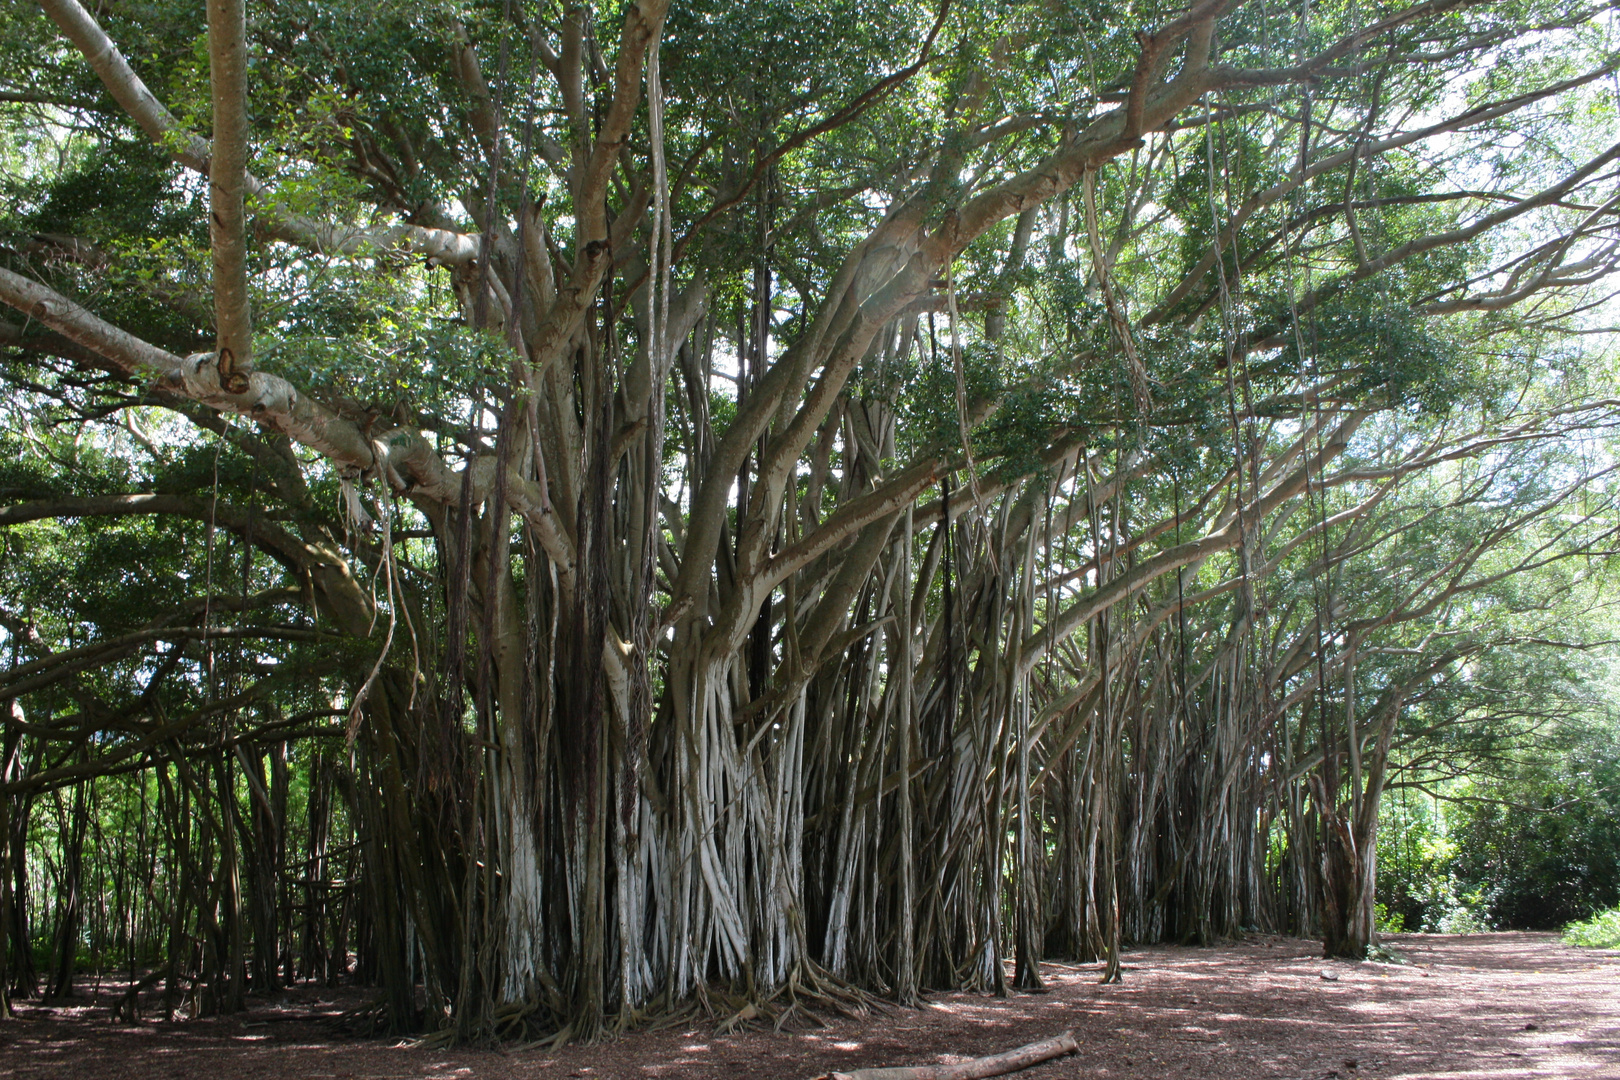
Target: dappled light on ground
<point x="1480" y="1007"/>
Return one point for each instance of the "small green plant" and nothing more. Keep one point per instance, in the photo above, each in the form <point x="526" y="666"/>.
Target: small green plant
<point x="1463" y="920"/>
<point x="1388" y="922"/>
<point x="1450" y="910"/>
<point x="1601" y="931"/>
<point x="1379" y="952"/>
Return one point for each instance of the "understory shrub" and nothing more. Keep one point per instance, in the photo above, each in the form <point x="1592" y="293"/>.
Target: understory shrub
<point x="1601" y="931"/>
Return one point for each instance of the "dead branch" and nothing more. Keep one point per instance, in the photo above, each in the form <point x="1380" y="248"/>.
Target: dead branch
<point x="995" y="1065"/>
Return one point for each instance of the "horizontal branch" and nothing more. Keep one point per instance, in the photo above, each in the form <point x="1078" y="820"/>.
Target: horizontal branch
<point x="402" y="458"/>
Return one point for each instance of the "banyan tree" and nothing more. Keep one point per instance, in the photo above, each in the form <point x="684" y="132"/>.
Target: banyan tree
<point x="562" y="512"/>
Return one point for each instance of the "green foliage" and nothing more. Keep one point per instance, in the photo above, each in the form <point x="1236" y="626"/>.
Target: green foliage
<point x="113" y="190"/>
<point x="1543" y="846"/>
<point x="1451" y="911"/>
<point x="1413" y="854"/>
<point x="1601" y="931"/>
<point x="1533" y="846"/>
<point x="379" y="340"/>
<point x="1371" y="334"/>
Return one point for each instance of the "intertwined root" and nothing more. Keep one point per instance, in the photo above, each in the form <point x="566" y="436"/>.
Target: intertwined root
<point x="810" y="995"/>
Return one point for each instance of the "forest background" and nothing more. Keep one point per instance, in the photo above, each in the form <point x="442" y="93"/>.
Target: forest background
<point x="561" y="513"/>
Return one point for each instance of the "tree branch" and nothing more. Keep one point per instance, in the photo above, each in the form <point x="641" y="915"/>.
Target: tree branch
<point x="441" y="245"/>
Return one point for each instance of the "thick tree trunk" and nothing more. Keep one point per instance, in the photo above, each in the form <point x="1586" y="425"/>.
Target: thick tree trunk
<point x="230" y="960"/>
<point x="314" y="956"/>
<point x="17" y="977"/>
<point x="906" y="941"/>
<point x="69" y="910"/>
<point x="6" y="949"/>
<point x="267" y="814"/>
<point x="1344" y="933"/>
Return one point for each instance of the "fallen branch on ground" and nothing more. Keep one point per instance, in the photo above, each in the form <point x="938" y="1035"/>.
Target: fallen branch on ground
<point x="994" y="1065"/>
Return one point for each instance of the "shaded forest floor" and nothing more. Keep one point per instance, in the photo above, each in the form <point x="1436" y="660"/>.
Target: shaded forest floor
<point x="1479" y="1006"/>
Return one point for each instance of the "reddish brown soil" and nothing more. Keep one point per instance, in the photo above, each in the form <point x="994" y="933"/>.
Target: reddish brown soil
<point x="1488" y="1006"/>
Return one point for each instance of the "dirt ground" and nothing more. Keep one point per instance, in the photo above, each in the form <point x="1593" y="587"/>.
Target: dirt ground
<point x="1486" y="1006"/>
